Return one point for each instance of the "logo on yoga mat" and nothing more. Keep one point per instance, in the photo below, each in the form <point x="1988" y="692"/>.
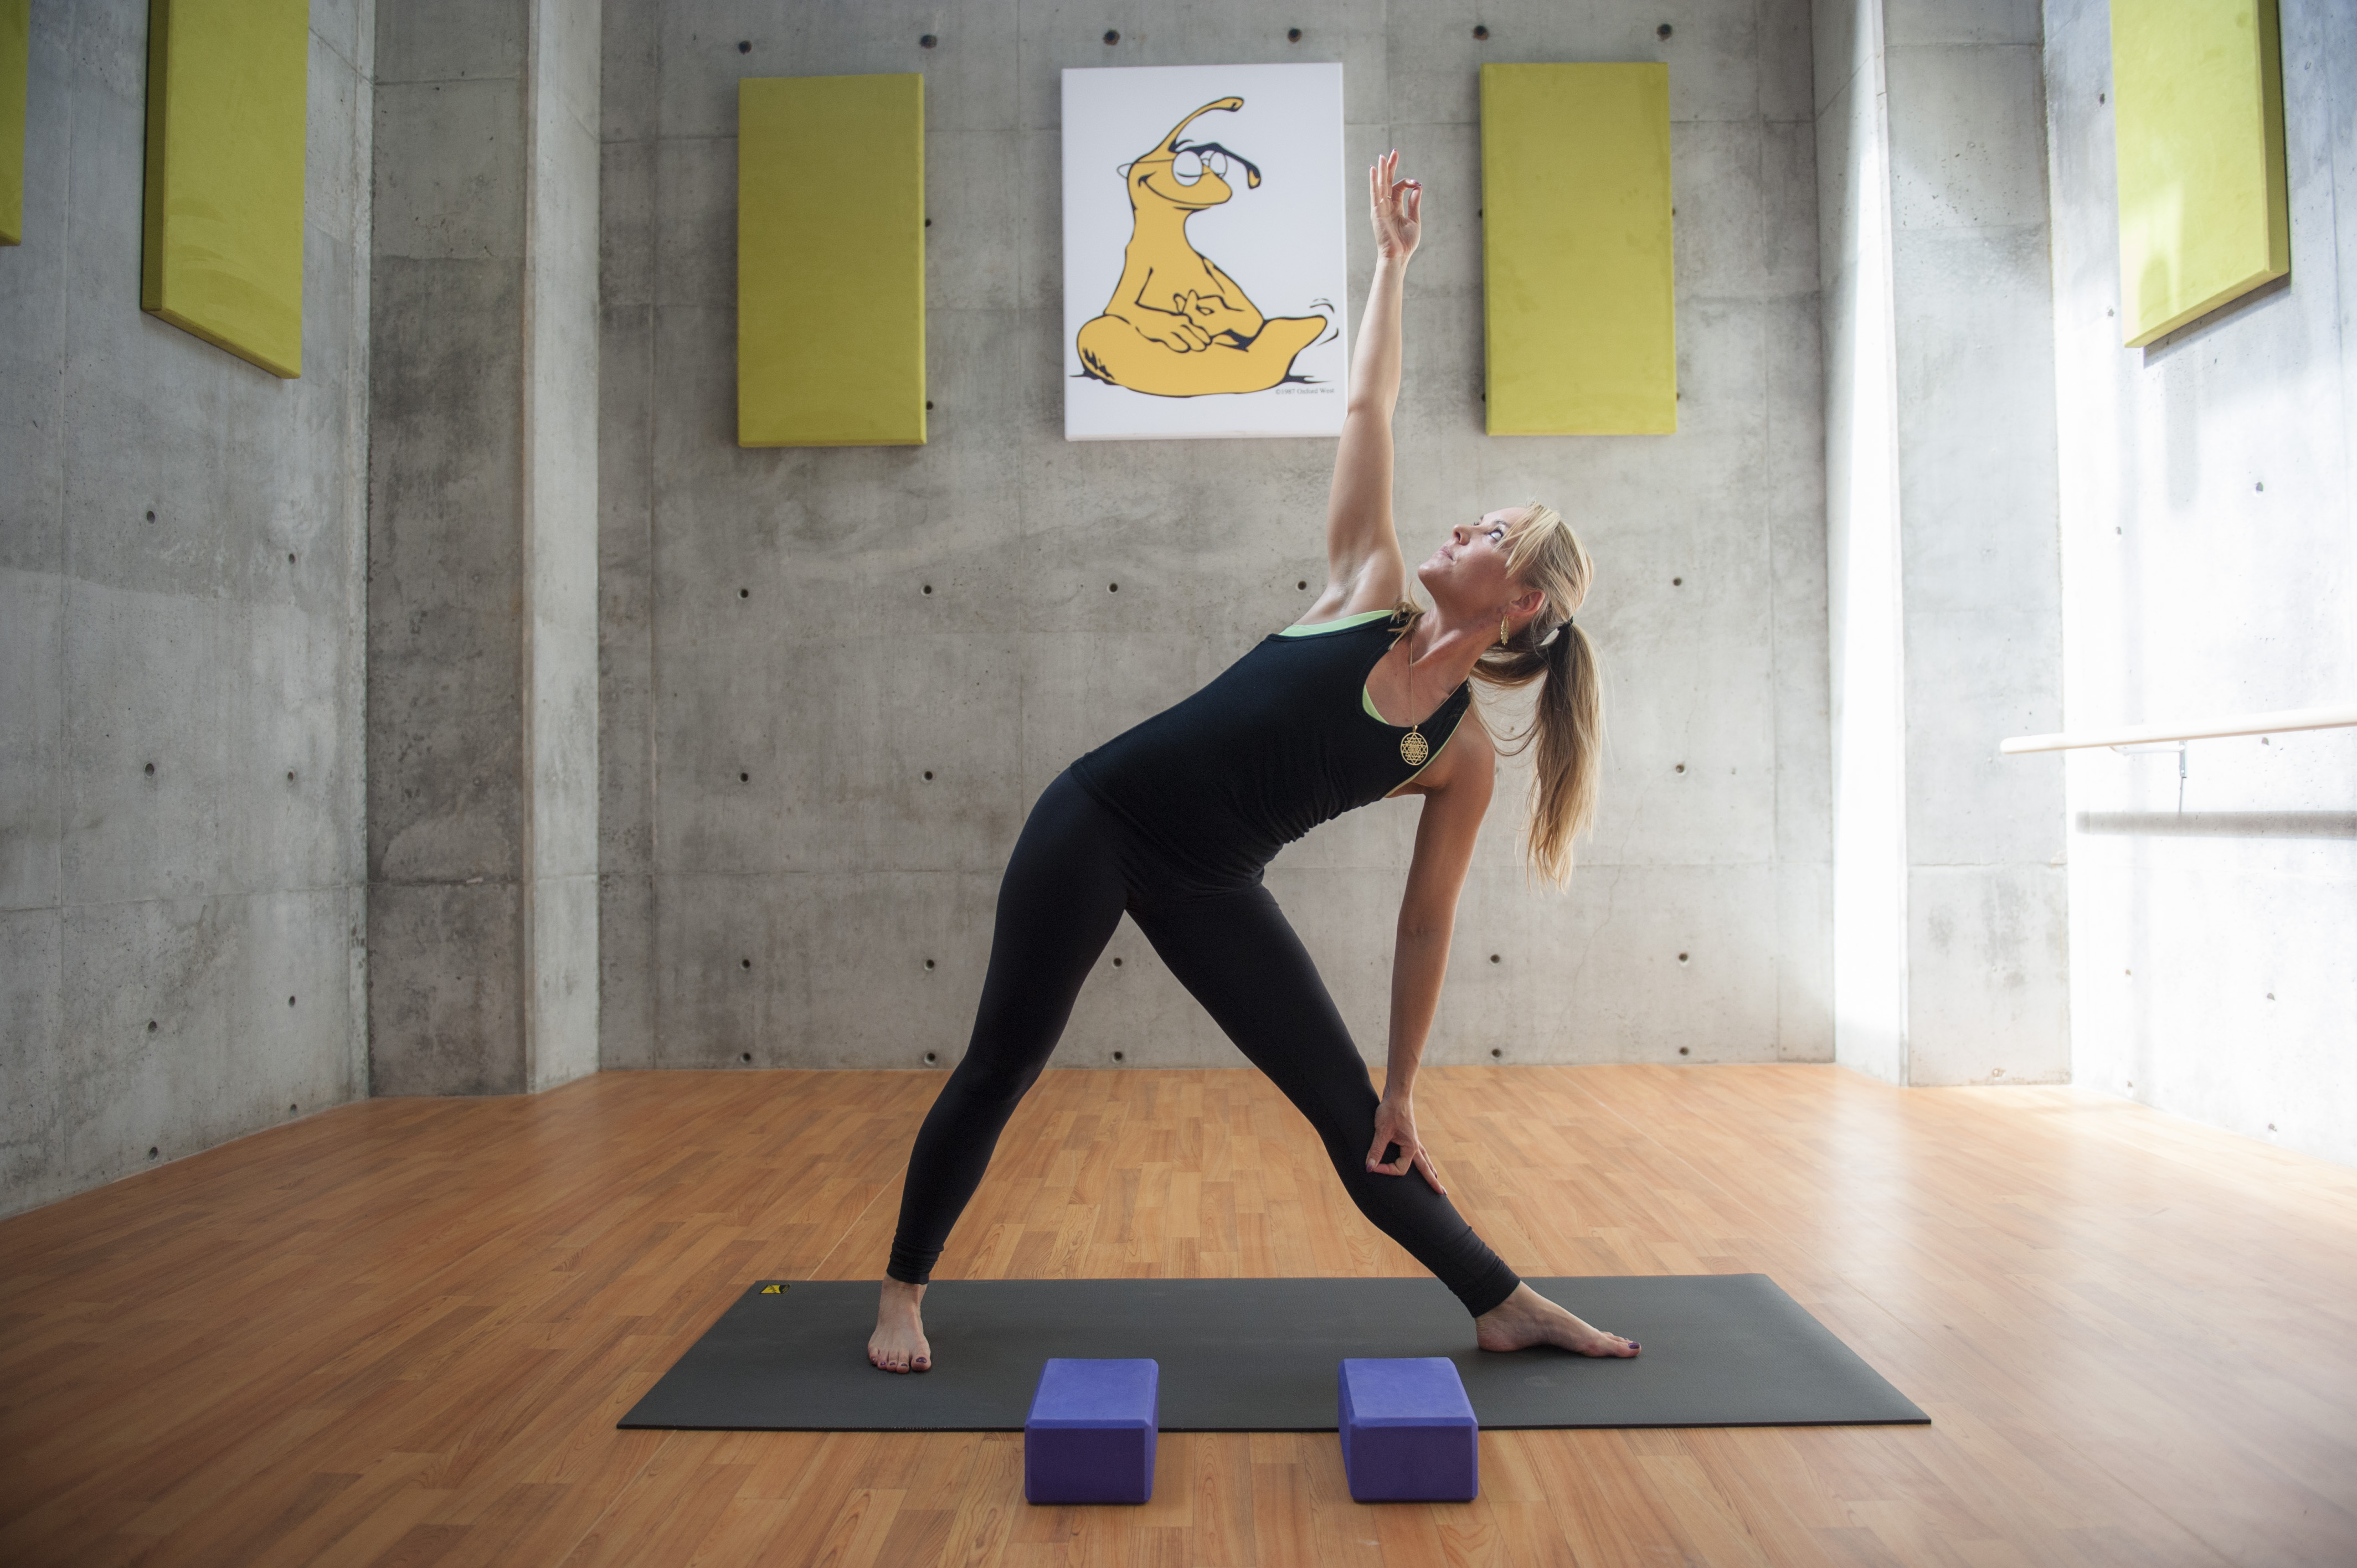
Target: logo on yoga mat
<point x="775" y="1290"/>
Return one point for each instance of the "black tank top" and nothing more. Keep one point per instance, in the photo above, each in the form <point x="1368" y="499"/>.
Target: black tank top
<point x="1279" y="743"/>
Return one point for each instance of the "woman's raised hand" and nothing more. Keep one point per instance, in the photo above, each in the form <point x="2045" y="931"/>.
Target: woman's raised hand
<point x="1398" y="207"/>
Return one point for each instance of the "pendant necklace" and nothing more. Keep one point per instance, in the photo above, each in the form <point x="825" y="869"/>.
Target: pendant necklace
<point x="1414" y="749"/>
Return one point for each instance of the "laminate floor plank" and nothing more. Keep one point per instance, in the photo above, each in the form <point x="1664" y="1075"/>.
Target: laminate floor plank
<point x="401" y="1332"/>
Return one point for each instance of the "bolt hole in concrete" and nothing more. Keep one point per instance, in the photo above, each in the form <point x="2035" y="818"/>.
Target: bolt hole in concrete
<point x="1111" y="37"/>
<point x="744" y="45"/>
<point x="290" y="1110"/>
<point x="743" y="778"/>
<point x="1116" y="1055"/>
<point x="1303" y="583"/>
<point x="744" y="593"/>
<point x="151" y="770"/>
<point x="1116" y="963"/>
<point x="744" y="963"/>
<point x="931" y="1059"/>
<point x="1480" y="31"/>
<point x="290" y="1002"/>
<point x="151" y="1026"/>
<point x="1681" y="958"/>
<point x="151" y="517"/>
<point x="1682" y="1050"/>
<point x="1677" y="582"/>
<point x="928" y="963"/>
<point x="929" y="588"/>
<point x="929" y="776"/>
<point x="290" y="555"/>
<point x="150" y="1148"/>
<point x="290" y="776"/>
<point x="1662" y="31"/>
<point x="929" y="402"/>
<point x="1496" y="1051"/>
<point x="1493" y="958"/>
<point x="1682" y="767"/>
<point x="928" y="41"/>
<point x="745" y="1056"/>
<point x="1292" y="35"/>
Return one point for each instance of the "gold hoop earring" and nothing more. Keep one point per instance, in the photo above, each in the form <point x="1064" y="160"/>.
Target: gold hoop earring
<point x="1501" y="631"/>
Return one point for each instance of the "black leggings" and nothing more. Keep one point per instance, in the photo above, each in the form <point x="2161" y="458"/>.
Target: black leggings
<point x="1075" y="869"/>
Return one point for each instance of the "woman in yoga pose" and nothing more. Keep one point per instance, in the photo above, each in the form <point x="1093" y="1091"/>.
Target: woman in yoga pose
<point x="1174" y="821"/>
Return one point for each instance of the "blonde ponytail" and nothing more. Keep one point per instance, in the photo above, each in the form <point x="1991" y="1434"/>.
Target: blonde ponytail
<point x="1567" y="723"/>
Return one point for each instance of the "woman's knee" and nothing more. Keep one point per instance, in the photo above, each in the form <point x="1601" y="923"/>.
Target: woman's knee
<point x="983" y="1080"/>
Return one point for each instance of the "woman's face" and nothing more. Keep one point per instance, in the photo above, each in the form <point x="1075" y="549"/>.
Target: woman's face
<point x="1467" y="574"/>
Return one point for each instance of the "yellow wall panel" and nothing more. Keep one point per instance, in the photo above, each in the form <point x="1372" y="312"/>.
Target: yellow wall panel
<point x="226" y="107"/>
<point x="831" y="261"/>
<point x="1582" y="327"/>
<point x="16" y="60"/>
<point x="2196" y="96"/>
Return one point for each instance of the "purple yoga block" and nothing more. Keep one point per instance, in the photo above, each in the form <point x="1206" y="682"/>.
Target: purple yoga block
<point x="1408" y="1431"/>
<point x="1090" y="1435"/>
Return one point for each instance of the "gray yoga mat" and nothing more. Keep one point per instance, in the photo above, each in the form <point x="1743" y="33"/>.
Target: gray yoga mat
<point x="1261" y="1355"/>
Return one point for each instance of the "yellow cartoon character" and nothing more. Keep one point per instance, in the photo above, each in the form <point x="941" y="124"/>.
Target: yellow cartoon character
<point x="1177" y="326"/>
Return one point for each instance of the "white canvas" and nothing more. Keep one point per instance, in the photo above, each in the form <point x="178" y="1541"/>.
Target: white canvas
<point x="1190" y="315"/>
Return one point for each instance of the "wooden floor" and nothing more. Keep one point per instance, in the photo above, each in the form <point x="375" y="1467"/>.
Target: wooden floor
<point x="401" y="1332"/>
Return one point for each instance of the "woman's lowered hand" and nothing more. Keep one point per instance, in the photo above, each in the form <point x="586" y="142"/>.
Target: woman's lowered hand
<point x="1395" y="1129"/>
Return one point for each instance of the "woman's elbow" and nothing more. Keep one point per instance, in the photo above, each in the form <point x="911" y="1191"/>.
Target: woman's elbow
<point x="1428" y="925"/>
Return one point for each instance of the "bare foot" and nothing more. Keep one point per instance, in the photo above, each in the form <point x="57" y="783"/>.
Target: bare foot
<point x="1527" y="1318"/>
<point x="899" y="1343"/>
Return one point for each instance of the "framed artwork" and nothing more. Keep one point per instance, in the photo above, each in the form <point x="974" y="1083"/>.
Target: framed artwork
<point x="1205" y="278"/>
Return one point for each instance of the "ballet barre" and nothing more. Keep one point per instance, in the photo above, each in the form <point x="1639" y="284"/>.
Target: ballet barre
<point x="2281" y="721"/>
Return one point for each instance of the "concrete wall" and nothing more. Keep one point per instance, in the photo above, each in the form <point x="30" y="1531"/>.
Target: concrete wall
<point x="2209" y="565"/>
<point x="1951" y="954"/>
<point x="181" y="642"/>
<point x="483" y="698"/>
<point x="815" y="767"/>
<point x="1867" y="644"/>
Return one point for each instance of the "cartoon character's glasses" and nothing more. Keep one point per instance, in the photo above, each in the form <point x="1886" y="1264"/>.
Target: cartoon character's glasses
<point x="1194" y="158"/>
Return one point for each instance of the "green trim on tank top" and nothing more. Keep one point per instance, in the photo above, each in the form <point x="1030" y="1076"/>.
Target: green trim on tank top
<point x="1366" y="699"/>
<point x="1323" y="627"/>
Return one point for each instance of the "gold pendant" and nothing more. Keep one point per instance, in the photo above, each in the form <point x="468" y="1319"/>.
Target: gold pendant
<point x="1414" y="748"/>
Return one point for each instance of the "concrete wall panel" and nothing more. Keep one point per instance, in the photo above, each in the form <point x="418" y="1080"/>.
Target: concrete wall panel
<point x="484" y="528"/>
<point x="446" y="1003"/>
<point x="32" y="739"/>
<point x="2210" y="566"/>
<point x="192" y="1020"/>
<point x="1947" y="608"/>
<point x="1986" y="1003"/>
<point x="444" y="190"/>
<point x="777" y="679"/>
<point x="32" y="1054"/>
<point x="182" y="535"/>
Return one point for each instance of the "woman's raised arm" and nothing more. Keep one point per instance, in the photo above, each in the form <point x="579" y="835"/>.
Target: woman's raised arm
<point x="1363" y="565"/>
